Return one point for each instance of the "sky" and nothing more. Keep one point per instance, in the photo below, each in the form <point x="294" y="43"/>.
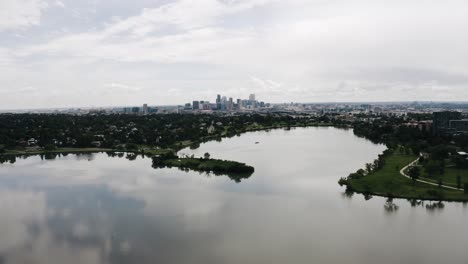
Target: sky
<point x="68" y="53"/>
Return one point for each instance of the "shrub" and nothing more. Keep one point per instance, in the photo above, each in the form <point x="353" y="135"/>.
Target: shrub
<point x="342" y="181"/>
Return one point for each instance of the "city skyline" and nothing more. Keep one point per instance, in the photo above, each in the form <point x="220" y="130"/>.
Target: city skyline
<point x="100" y="53"/>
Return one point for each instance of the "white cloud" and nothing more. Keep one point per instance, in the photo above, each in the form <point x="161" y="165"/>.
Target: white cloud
<point x="16" y="14"/>
<point x="59" y="3"/>
<point x="121" y="87"/>
<point x="297" y="50"/>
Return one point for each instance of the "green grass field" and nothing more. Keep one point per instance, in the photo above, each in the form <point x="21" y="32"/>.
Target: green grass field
<point x="388" y="181"/>
<point x="449" y="177"/>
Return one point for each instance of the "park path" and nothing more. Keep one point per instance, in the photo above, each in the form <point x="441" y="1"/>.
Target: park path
<point x="402" y="172"/>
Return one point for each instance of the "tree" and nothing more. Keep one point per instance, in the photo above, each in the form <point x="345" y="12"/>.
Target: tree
<point x="458" y="182"/>
<point x="2" y="149"/>
<point x="207" y="155"/>
<point x="442" y="167"/>
<point x="49" y="147"/>
<point x="368" y="168"/>
<point x="131" y="146"/>
<point x="432" y="168"/>
<point x="414" y="173"/>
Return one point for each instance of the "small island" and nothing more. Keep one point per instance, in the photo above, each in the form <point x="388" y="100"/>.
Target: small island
<point x="235" y="170"/>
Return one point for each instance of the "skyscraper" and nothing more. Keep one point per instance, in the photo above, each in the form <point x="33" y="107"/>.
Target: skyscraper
<point x="218" y="102"/>
<point x="252" y="97"/>
<point x="196" y="105"/>
<point x="145" y="109"/>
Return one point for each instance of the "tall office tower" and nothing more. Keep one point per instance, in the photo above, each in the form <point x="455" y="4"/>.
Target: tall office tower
<point x="195" y="105"/>
<point x="252" y="97"/>
<point x="441" y="120"/>
<point x="145" y="109"/>
<point x="218" y="102"/>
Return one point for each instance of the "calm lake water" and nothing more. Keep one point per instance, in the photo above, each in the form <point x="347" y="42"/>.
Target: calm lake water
<point x="98" y="209"/>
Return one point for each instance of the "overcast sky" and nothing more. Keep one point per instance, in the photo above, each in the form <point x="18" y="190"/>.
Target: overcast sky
<point x="64" y="53"/>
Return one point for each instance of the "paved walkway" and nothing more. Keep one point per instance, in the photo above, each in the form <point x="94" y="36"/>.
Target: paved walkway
<point x="402" y="172"/>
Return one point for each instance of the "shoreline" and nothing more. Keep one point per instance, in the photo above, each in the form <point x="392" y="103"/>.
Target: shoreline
<point x="388" y="181"/>
<point x="148" y="150"/>
<point x="368" y="190"/>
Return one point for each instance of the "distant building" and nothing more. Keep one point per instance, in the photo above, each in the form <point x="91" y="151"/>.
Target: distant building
<point x="459" y="125"/>
<point x="425" y="125"/>
<point x="441" y="121"/>
<point x="135" y="110"/>
<point x="195" y="105"/>
<point x="218" y="102"/>
<point x="421" y="125"/>
<point x="252" y="97"/>
<point x="145" y="109"/>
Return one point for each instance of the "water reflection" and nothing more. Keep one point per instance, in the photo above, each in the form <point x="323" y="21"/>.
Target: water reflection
<point x="390" y="206"/>
<point x="7" y="159"/>
<point x="108" y="210"/>
<point x="49" y="227"/>
<point x="435" y="206"/>
<point x="348" y="193"/>
<point x="236" y="177"/>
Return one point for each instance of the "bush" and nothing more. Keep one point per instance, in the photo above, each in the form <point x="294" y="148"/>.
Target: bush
<point x="131" y="146"/>
<point x="342" y="181"/>
<point x="49" y="147"/>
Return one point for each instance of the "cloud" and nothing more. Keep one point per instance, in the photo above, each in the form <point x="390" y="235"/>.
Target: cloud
<point x="121" y="87"/>
<point x="283" y="50"/>
<point x="59" y="3"/>
<point x="184" y="15"/>
<point x="16" y="14"/>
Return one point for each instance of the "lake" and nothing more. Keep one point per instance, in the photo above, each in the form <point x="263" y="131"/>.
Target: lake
<point x="99" y="209"/>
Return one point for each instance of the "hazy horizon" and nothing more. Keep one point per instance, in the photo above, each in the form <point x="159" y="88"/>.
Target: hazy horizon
<point x="63" y="53"/>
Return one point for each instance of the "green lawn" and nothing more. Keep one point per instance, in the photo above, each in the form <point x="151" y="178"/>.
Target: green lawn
<point x="449" y="177"/>
<point x="388" y="181"/>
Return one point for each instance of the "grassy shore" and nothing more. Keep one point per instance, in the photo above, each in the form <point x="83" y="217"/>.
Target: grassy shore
<point x="449" y="177"/>
<point x="388" y="182"/>
<point x="19" y="152"/>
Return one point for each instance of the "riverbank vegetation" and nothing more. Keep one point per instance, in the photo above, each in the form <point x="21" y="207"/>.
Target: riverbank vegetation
<point x="438" y="162"/>
<point x="47" y="132"/>
<point x="386" y="180"/>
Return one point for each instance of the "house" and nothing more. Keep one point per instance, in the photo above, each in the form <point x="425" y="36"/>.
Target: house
<point x="32" y="142"/>
<point x="211" y="129"/>
<point x="463" y="154"/>
<point x="96" y="144"/>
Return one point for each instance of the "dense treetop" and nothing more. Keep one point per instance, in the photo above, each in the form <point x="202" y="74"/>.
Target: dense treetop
<point x="112" y="130"/>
